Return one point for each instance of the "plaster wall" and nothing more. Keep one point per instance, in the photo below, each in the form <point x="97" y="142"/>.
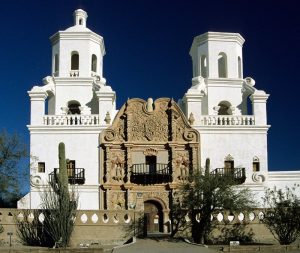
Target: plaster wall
<point x="224" y="92"/>
<point x="79" y="91"/>
<point x="243" y="146"/>
<point x="81" y="146"/>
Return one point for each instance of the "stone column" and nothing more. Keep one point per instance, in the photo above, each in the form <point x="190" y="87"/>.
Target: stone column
<point x="107" y="164"/>
<point x="128" y="162"/>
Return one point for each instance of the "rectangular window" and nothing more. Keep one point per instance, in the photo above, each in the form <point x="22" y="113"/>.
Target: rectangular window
<point x="256" y="166"/>
<point x="41" y="167"/>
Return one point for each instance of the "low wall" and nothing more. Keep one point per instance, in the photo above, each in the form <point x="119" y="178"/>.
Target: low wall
<point x="103" y="227"/>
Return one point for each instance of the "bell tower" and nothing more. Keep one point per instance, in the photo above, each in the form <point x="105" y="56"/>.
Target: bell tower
<point x="217" y="84"/>
<point x="217" y="55"/>
<point x="77" y="51"/>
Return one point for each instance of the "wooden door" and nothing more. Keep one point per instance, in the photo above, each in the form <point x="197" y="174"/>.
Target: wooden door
<point x="153" y="217"/>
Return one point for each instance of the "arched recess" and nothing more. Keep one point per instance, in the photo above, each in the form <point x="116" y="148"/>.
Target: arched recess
<point x="224" y="108"/>
<point x="56" y="63"/>
<point x="203" y="66"/>
<point x="239" y="67"/>
<point x="229" y="164"/>
<point x="73" y="107"/>
<point x="154" y="216"/>
<point x="74" y="60"/>
<point x="222" y="65"/>
<point x="256" y="164"/>
<point x="94" y="63"/>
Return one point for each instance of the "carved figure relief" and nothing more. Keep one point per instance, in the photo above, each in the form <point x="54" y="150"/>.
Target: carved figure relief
<point x="117" y="201"/>
<point x="150" y="151"/>
<point x="150" y="129"/>
<point x="117" y="166"/>
<point x="182" y="166"/>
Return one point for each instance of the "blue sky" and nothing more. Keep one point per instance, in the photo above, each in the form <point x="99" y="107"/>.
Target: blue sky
<point x="147" y="45"/>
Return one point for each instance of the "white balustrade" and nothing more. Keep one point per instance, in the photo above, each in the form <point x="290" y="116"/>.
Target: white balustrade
<point x="71" y="120"/>
<point x="227" y="120"/>
<point x="74" y="73"/>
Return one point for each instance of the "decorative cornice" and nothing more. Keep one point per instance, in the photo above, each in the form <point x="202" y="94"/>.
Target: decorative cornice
<point x="78" y="35"/>
<point x="232" y="129"/>
<point x="216" y="36"/>
<point x="66" y="129"/>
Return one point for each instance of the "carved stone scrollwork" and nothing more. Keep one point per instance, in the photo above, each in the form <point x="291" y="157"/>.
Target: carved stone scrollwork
<point x="36" y="181"/>
<point x="110" y="135"/>
<point x="258" y="178"/>
<point x="160" y="195"/>
<point x="190" y="135"/>
<point x="150" y="151"/>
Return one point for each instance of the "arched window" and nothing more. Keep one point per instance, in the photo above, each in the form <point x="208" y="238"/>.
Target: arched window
<point x="239" y="67"/>
<point x="222" y="65"/>
<point x="74" y="61"/>
<point x="56" y="63"/>
<point x="74" y="107"/>
<point x="224" y="108"/>
<point x="255" y="164"/>
<point x="94" y="63"/>
<point x="80" y="21"/>
<point x="203" y="65"/>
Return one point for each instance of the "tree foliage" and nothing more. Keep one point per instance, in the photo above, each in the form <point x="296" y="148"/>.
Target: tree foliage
<point x="282" y="215"/>
<point x="12" y="150"/>
<point x="201" y="197"/>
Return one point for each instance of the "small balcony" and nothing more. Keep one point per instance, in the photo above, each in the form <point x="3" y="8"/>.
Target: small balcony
<point x="151" y="173"/>
<point x="75" y="175"/>
<point x="234" y="175"/>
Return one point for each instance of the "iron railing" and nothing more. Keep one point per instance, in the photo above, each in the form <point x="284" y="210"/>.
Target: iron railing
<point x="151" y="173"/>
<point x="75" y="175"/>
<point x="237" y="175"/>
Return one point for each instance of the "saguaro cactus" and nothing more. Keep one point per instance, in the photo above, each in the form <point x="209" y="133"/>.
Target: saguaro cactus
<point x="63" y="174"/>
<point x="207" y="165"/>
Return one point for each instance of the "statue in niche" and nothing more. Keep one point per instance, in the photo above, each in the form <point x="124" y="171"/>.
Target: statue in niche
<point x="118" y="164"/>
<point x="182" y="164"/>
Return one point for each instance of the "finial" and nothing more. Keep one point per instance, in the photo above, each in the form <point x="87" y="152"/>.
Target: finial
<point x="80" y="17"/>
<point x="191" y="119"/>
<point x="107" y="118"/>
<point x="150" y="105"/>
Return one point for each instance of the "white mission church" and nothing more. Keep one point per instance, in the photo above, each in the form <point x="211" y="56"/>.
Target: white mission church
<point x="135" y="156"/>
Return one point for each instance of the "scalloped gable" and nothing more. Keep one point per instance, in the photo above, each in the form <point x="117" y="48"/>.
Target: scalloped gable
<point x="160" y="121"/>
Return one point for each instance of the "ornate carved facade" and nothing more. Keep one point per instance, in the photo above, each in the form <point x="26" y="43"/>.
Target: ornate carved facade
<point x="146" y="153"/>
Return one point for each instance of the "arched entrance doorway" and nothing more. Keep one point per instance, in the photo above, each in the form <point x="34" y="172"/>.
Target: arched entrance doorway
<point x="153" y="216"/>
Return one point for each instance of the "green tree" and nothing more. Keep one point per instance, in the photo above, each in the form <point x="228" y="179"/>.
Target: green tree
<point x="282" y="215"/>
<point x="204" y="195"/>
<point x="12" y="150"/>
